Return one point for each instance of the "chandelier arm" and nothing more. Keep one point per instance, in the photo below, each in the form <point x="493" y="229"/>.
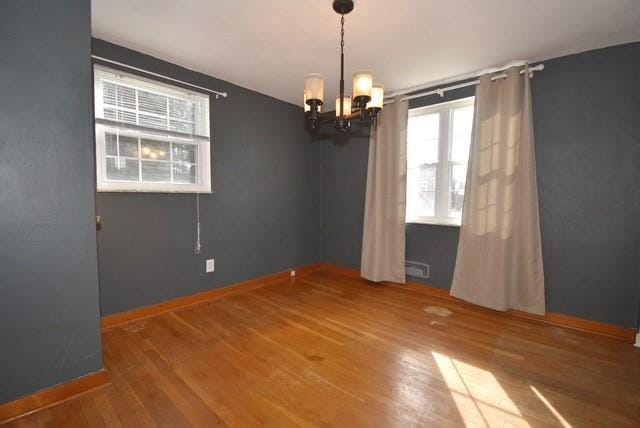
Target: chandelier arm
<point x="329" y="116"/>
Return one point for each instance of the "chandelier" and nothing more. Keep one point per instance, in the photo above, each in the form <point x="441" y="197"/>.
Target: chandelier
<point x="367" y="100"/>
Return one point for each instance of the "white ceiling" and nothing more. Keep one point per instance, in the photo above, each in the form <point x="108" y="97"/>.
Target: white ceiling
<point x="269" y="45"/>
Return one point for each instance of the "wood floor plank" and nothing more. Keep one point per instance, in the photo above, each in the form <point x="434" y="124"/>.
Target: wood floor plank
<point x="331" y="350"/>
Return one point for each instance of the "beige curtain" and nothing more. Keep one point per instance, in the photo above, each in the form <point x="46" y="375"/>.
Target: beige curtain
<point x="499" y="263"/>
<point x="383" y="235"/>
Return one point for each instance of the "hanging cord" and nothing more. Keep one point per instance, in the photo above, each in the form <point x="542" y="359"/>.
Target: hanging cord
<point x="198" y="248"/>
<point x="341" y="115"/>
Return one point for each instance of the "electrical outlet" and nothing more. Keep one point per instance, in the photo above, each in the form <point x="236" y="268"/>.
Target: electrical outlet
<point x="211" y="265"/>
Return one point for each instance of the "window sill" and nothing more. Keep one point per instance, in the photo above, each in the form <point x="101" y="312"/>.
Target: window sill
<point x="136" y="187"/>
<point x="433" y="223"/>
<point x="166" y="192"/>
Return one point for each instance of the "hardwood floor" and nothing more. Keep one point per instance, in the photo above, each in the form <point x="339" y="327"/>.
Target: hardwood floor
<point x="328" y="350"/>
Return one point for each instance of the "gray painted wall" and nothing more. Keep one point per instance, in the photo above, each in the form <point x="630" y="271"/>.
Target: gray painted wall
<point x="587" y="127"/>
<point x="263" y="216"/>
<point x="49" y="315"/>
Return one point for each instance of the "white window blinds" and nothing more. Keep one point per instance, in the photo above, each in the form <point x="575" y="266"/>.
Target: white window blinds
<point x="150" y="136"/>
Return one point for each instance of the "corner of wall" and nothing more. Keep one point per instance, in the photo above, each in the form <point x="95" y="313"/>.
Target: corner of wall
<point x="321" y="201"/>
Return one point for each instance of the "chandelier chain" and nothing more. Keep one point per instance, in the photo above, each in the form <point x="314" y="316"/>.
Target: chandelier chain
<point x="368" y="98"/>
<point x="342" y="34"/>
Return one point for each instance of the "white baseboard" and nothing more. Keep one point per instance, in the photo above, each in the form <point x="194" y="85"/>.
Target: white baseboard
<point x="637" y="344"/>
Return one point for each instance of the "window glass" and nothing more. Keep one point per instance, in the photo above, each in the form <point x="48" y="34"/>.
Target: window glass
<point x="184" y="173"/>
<point x="122" y="169"/>
<point x="155" y="171"/>
<point x="422" y="139"/>
<point x="184" y="153"/>
<point x="155" y="150"/>
<point x="461" y="130"/>
<point x="422" y="163"/>
<point x="458" y="179"/>
<point x="437" y="161"/>
<point x="421" y="190"/>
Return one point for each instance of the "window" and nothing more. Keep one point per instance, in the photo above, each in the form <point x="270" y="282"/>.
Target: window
<point x="438" y="139"/>
<point x="150" y="136"/>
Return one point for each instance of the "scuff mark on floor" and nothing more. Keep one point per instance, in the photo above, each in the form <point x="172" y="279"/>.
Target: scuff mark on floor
<point x="437" y="310"/>
<point x="136" y="327"/>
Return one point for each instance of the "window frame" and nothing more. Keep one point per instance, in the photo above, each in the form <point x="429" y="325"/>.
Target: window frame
<point x="442" y="215"/>
<point x="106" y="185"/>
<point x="102" y="128"/>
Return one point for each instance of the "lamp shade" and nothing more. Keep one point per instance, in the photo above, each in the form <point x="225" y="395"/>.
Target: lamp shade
<point x="307" y="107"/>
<point x="314" y="87"/>
<point x="346" y="110"/>
<point x="362" y="83"/>
<point x="377" y="97"/>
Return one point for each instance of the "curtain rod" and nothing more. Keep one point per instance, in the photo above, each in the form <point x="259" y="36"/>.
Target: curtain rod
<point x="441" y="91"/>
<point x="162" y="76"/>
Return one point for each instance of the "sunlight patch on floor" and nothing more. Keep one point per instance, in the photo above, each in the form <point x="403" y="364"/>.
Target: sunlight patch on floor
<point x="480" y="399"/>
<point x="552" y="409"/>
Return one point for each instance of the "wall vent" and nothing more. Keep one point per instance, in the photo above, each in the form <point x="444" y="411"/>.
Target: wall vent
<point x="417" y="270"/>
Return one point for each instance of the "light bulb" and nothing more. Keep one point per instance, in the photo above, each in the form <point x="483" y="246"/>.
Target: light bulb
<point x="377" y="97"/>
<point x="362" y="83"/>
<point x="346" y="111"/>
